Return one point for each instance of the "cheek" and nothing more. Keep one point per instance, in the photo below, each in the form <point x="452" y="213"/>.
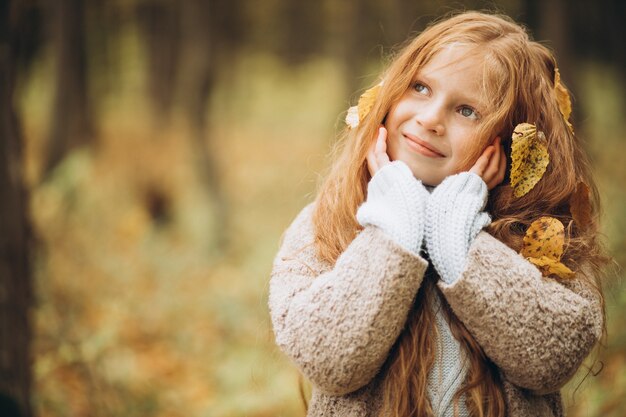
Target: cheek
<point x="392" y="145"/>
<point x="468" y="152"/>
<point x="398" y="113"/>
<point x="391" y="121"/>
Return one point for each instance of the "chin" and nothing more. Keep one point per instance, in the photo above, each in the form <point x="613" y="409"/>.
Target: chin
<point x="421" y="170"/>
<point x="431" y="183"/>
<point x="430" y="180"/>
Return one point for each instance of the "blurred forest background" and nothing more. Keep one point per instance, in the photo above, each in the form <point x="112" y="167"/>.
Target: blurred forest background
<point x="152" y="153"/>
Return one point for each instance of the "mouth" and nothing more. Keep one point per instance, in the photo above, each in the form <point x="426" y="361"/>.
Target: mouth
<point x="422" y="147"/>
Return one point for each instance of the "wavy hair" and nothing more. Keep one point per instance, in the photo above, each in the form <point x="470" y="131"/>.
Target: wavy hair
<point x="518" y="81"/>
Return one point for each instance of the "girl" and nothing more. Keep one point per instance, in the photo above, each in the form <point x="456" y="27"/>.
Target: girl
<point x="400" y="291"/>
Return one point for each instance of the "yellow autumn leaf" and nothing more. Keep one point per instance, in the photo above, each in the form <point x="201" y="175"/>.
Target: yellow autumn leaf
<point x="562" y="95"/>
<point x="367" y="100"/>
<point x="563" y="98"/>
<point x="522" y="130"/>
<point x="580" y="206"/>
<point x="357" y="113"/>
<point x="544" y="237"/>
<point x="543" y="246"/>
<point x="549" y="266"/>
<point x="530" y="158"/>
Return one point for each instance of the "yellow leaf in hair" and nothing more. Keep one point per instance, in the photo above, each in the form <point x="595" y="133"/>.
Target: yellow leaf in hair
<point x="543" y="246"/>
<point x="544" y="237"/>
<point x="563" y="98"/>
<point x="357" y="113"/>
<point x="530" y="158"/>
<point x="580" y="206"/>
<point x="562" y="95"/>
<point x="549" y="266"/>
<point x="367" y="100"/>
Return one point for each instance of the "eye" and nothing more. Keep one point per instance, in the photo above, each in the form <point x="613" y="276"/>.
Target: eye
<point x="467" y="111"/>
<point x="421" y="88"/>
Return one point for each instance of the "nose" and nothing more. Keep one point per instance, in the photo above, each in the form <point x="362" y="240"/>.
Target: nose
<point x="431" y="117"/>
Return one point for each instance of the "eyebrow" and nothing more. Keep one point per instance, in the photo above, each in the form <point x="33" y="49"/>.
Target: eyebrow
<point x="476" y="103"/>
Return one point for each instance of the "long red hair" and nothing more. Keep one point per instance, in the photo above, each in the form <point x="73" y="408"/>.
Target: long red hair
<point x="519" y="85"/>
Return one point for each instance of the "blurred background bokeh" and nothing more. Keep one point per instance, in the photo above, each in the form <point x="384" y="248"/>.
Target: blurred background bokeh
<point x="153" y="151"/>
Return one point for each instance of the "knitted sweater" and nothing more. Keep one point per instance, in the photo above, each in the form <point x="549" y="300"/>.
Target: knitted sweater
<point x="339" y="322"/>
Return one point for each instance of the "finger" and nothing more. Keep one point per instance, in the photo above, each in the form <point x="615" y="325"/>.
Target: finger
<point x="483" y="161"/>
<point x="381" y="141"/>
<point x="372" y="164"/>
<point x="381" y="148"/>
<point x="374" y="158"/>
<point x="502" y="167"/>
<point x="500" y="172"/>
<point x="491" y="170"/>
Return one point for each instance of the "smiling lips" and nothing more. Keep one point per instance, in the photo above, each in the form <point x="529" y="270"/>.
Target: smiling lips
<point x="421" y="147"/>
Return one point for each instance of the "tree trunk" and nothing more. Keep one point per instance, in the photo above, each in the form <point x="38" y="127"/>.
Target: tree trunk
<point x="555" y="24"/>
<point x="302" y="25"/>
<point x="202" y="40"/>
<point x="72" y="122"/>
<point x="349" y="42"/>
<point x="15" y="284"/>
<point x="160" y="25"/>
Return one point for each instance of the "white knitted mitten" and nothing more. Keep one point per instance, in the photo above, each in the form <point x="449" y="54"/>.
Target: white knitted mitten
<point x="454" y="216"/>
<point x="395" y="203"/>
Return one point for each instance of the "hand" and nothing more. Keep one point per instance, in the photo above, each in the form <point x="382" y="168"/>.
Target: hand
<point x="454" y="217"/>
<point x="377" y="156"/>
<point x="395" y="203"/>
<point x="491" y="165"/>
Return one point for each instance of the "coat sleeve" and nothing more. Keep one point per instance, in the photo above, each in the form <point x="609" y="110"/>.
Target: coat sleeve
<point x="537" y="330"/>
<point x="338" y="324"/>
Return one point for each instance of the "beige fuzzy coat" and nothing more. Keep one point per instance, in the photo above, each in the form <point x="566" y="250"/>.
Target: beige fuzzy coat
<point x="338" y="323"/>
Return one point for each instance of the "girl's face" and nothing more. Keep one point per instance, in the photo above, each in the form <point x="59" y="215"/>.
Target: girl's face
<point x="436" y="122"/>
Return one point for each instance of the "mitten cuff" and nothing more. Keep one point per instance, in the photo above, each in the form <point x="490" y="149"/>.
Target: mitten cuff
<point x="464" y="183"/>
<point x="395" y="174"/>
